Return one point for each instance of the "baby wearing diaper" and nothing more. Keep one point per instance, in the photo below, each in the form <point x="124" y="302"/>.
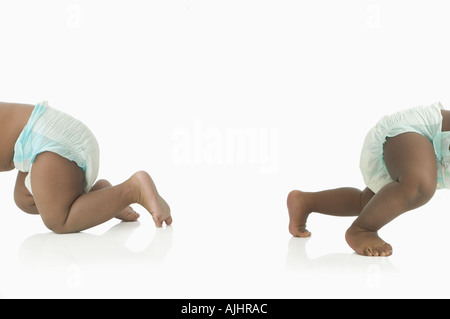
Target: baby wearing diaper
<point x="58" y="159"/>
<point x="404" y="159"/>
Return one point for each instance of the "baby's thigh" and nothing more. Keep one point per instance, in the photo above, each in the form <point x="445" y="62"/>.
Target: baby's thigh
<point x="56" y="183"/>
<point x="410" y="157"/>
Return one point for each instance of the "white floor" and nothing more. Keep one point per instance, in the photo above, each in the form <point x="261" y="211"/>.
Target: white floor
<point x="216" y="254"/>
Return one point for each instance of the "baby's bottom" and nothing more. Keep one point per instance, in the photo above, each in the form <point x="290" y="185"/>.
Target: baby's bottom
<point x="411" y="162"/>
<point x="58" y="196"/>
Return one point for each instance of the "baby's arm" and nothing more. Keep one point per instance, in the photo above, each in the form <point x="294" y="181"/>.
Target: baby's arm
<point x="23" y="198"/>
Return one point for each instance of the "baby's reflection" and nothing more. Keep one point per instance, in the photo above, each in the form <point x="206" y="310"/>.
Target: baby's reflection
<point x="50" y="249"/>
<point x="297" y="260"/>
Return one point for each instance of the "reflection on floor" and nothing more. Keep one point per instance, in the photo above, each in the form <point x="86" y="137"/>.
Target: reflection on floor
<point x="50" y="249"/>
<point x="297" y="260"/>
<point x="88" y="265"/>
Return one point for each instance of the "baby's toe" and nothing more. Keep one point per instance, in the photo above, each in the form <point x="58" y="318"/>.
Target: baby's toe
<point x="387" y="249"/>
<point x="128" y="215"/>
<point x="132" y="216"/>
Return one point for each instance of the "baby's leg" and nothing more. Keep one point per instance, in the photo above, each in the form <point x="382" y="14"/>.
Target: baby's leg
<point x="25" y="201"/>
<point x="411" y="162"/>
<point x="57" y="188"/>
<point x="127" y="214"/>
<point x="22" y="197"/>
<point x="337" y="202"/>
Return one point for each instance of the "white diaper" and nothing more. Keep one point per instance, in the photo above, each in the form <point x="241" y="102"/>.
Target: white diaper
<point x="50" y="130"/>
<point x="425" y="120"/>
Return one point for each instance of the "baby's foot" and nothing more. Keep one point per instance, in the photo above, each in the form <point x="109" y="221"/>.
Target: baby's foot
<point x="149" y="198"/>
<point x="367" y="243"/>
<point x="298" y="214"/>
<point x="128" y="215"/>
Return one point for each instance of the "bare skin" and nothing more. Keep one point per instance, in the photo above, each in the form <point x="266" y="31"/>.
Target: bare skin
<point x="127" y="214"/>
<point x="410" y="161"/>
<point x="57" y="185"/>
<point x="25" y="201"/>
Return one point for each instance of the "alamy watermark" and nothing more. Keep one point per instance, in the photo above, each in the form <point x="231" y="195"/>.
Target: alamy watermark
<point x="373" y="20"/>
<point x="373" y="279"/>
<point x="200" y="144"/>
<point x="73" y="279"/>
<point x="74" y="17"/>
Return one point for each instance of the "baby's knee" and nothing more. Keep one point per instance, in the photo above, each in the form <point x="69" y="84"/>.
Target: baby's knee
<point x="419" y="189"/>
<point x="26" y="204"/>
<point x="56" y="227"/>
<point x="55" y="222"/>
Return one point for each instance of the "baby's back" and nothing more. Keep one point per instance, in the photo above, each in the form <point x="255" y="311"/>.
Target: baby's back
<point x="13" y="118"/>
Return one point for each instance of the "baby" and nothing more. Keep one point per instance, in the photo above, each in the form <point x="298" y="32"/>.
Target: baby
<point x="58" y="158"/>
<point x="404" y="159"/>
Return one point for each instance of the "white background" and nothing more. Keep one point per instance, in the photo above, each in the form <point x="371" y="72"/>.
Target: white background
<point x="307" y="78"/>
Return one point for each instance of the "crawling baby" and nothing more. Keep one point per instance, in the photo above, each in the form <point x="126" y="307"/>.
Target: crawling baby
<point x="58" y="159"/>
<point x="404" y="159"/>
